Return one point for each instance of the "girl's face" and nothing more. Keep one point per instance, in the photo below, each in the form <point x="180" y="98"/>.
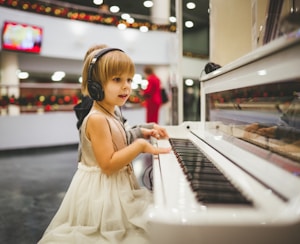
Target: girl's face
<point x="118" y="89"/>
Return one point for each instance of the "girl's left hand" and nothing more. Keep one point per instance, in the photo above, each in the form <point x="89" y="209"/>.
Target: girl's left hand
<point x="156" y="133"/>
<point x="161" y="131"/>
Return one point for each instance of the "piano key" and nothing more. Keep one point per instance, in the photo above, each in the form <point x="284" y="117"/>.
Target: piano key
<point x="206" y="180"/>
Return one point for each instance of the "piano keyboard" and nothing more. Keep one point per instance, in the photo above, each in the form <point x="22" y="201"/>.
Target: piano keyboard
<point x="203" y="186"/>
<point x="206" y="180"/>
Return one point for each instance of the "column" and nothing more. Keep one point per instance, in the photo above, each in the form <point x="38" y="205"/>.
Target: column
<point x="8" y="80"/>
<point x="160" y="13"/>
<point x="230" y="30"/>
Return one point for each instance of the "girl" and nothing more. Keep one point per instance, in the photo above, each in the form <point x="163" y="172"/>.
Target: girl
<point x="104" y="203"/>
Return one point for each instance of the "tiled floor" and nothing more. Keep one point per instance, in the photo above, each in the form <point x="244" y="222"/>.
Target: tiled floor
<point x="32" y="185"/>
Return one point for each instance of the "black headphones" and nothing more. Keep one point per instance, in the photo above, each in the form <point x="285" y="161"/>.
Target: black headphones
<point x="95" y="88"/>
<point x="210" y="67"/>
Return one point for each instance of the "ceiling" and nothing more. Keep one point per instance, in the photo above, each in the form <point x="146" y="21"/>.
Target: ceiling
<point x="199" y="15"/>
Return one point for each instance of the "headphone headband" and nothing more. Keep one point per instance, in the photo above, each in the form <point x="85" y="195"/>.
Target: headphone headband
<point x="95" y="88"/>
<point x="103" y="52"/>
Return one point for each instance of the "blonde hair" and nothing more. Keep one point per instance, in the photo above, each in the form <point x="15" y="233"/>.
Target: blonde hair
<point x="93" y="48"/>
<point x="111" y="64"/>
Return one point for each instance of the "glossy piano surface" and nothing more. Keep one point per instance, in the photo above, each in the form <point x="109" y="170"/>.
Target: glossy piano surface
<point x="241" y="102"/>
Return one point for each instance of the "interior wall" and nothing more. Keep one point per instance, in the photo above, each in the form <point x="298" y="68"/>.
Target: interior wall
<point x="64" y="38"/>
<point x="65" y="43"/>
<point x="230" y="30"/>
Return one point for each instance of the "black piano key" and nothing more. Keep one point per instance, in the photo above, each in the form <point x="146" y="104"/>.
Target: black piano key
<point x="202" y="163"/>
<point x="221" y="198"/>
<point x="202" y="170"/>
<point x="206" y="180"/>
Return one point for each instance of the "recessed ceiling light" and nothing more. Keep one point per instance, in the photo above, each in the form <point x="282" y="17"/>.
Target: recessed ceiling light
<point x="189" y="24"/>
<point x="191" y="5"/>
<point x="97" y="2"/>
<point x="58" y="76"/>
<point x="122" y="26"/>
<point x="125" y="16"/>
<point x="144" y="28"/>
<point x="130" y="20"/>
<point x="114" y="9"/>
<point x="23" y="75"/>
<point x="148" y="4"/>
<point x="172" y="19"/>
<point x="189" y="82"/>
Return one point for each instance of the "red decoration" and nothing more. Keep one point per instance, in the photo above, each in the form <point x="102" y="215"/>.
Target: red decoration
<point x="72" y="13"/>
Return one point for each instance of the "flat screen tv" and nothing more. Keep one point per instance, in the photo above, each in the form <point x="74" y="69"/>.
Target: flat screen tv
<point x="21" y="37"/>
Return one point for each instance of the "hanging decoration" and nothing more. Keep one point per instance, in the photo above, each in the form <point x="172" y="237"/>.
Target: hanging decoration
<point x="54" y="10"/>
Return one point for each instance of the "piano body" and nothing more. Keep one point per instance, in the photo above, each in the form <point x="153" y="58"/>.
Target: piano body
<point x="234" y="177"/>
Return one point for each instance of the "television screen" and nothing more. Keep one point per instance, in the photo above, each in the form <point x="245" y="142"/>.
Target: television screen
<point x="21" y="37"/>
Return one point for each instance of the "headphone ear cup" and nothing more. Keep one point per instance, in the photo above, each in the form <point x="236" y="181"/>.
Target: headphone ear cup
<point x="210" y="67"/>
<point x="95" y="90"/>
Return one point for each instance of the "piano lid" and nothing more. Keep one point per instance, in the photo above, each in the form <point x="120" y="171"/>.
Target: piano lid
<point x="249" y="131"/>
<point x="252" y="107"/>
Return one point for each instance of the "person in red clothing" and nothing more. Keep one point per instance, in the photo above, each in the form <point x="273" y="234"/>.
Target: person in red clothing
<point x="152" y="95"/>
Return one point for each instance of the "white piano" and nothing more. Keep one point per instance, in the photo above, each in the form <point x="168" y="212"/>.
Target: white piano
<point x="234" y="177"/>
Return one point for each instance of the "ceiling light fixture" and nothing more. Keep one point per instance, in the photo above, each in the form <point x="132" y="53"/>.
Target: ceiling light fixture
<point x="122" y="26"/>
<point x="148" y="4"/>
<point x="22" y="75"/>
<point x="58" y="76"/>
<point x="144" y="28"/>
<point x="189" y="24"/>
<point x="130" y="20"/>
<point x="114" y="9"/>
<point x="97" y="2"/>
<point x="189" y="82"/>
<point x="191" y="5"/>
<point x="172" y="19"/>
<point x="125" y="16"/>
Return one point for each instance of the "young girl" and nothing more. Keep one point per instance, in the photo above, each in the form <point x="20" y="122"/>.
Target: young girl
<point x="104" y="203"/>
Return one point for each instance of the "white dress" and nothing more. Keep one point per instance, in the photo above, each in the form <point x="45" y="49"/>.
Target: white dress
<point x="98" y="208"/>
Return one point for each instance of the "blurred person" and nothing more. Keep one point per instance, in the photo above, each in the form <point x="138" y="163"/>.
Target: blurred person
<point x="152" y="95"/>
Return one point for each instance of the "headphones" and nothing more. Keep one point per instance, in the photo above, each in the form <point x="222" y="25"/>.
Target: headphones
<point x="210" y="67"/>
<point x="95" y="88"/>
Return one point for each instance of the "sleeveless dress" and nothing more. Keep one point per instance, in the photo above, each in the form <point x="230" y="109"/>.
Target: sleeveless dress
<point x="98" y="208"/>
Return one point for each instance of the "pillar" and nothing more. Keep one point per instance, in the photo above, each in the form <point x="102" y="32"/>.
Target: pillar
<point x="160" y="13"/>
<point x="8" y="80"/>
<point x="230" y="30"/>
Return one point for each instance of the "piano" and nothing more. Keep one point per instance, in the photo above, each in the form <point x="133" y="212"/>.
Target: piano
<point x="234" y="176"/>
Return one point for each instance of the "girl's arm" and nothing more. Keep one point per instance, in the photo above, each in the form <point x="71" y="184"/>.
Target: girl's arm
<point x="109" y="161"/>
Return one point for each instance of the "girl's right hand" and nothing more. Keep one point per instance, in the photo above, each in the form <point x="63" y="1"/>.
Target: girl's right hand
<point x="149" y="148"/>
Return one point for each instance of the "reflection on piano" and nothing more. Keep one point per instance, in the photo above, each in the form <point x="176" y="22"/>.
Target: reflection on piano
<point x="223" y="183"/>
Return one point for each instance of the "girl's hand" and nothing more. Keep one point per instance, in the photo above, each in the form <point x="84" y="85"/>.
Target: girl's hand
<point x="161" y="131"/>
<point x="147" y="133"/>
<point x="157" y="132"/>
<point x="149" y="148"/>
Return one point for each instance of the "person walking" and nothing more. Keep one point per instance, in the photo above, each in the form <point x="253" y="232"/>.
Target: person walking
<point x="152" y="95"/>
